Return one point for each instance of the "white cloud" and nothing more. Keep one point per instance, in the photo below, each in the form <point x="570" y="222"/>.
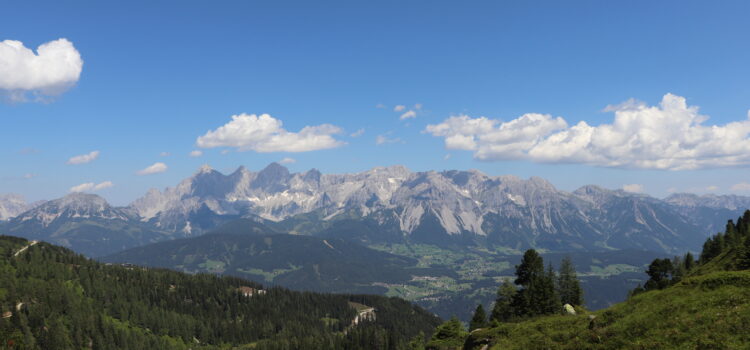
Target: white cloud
<point x="288" y="160"/>
<point x="84" y="158"/>
<point x="408" y="114"/>
<point x="447" y="156"/>
<point x="635" y="188"/>
<point x="399" y="108"/>
<point x="29" y="176"/>
<point x="357" y="133"/>
<point x="164" y="154"/>
<point x="265" y="134"/>
<point x="418" y="106"/>
<point x="741" y="187"/>
<point x="54" y="68"/>
<point x="91" y="187"/>
<point x="196" y="153"/>
<point x="669" y="136"/>
<point x="380" y="105"/>
<point x="155" y="168"/>
<point x="224" y="152"/>
<point x="383" y="139"/>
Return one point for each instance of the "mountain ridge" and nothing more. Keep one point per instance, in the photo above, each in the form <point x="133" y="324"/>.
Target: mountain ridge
<point x="445" y="208"/>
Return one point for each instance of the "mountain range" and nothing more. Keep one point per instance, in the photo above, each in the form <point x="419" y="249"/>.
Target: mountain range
<point x="384" y="204"/>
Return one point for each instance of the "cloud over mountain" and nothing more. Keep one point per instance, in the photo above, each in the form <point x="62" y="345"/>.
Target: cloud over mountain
<point x="54" y="68"/>
<point x="265" y="134"/>
<point x="670" y="136"/>
<point x="91" y="186"/>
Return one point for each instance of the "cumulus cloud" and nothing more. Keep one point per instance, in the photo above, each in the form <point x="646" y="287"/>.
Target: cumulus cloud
<point x="265" y="134"/>
<point x="91" y="186"/>
<point x="399" y="108"/>
<point x="196" y="153"/>
<point x="155" y="168"/>
<point x="288" y="160"/>
<point x="670" y="136"/>
<point x="408" y="114"/>
<point x="741" y="187"/>
<point x="84" y="158"/>
<point x="357" y="133"/>
<point x="53" y="69"/>
<point x="635" y="188"/>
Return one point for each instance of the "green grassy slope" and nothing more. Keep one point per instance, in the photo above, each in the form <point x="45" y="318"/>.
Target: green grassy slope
<point x="709" y="311"/>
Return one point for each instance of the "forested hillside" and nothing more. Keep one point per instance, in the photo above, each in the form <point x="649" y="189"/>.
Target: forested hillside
<point x="293" y="261"/>
<point x="52" y="298"/>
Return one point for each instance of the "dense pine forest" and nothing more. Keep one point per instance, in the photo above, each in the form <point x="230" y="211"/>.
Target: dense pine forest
<point x="52" y="298"/>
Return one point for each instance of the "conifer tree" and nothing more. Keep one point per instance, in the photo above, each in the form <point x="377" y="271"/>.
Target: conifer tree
<point x="503" y="309"/>
<point x="479" y="320"/>
<point x="447" y="335"/>
<point x="688" y="261"/>
<point x="548" y="299"/>
<point x="660" y="273"/>
<point x="530" y="269"/>
<point x="568" y="284"/>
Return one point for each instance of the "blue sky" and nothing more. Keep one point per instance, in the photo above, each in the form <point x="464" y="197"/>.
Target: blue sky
<point x="155" y="77"/>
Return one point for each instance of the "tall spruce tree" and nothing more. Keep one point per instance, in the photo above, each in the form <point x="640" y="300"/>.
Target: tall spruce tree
<point x="530" y="269"/>
<point x="479" y="320"/>
<point x="688" y="261"/>
<point x="529" y="275"/>
<point x="538" y="295"/>
<point x="503" y="309"/>
<point x="569" y="287"/>
<point x="547" y="298"/>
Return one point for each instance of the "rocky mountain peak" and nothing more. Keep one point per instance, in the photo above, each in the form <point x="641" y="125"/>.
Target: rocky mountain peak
<point x="81" y="201"/>
<point x="76" y="205"/>
<point x="11" y="205"/>
<point x="272" y="178"/>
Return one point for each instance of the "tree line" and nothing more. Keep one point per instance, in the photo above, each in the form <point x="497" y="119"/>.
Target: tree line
<point x="734" y="240"/>
<point x="536" y="291"/>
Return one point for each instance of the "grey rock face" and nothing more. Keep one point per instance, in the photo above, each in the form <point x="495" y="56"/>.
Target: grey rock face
<point x="73" y="206"/>
<point x="505" y="210"/>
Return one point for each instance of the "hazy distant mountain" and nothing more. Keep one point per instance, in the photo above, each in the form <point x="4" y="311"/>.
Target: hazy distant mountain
<point x="13" y="204"/>
<point x="709" y="211"/>
<point x="85" y="223"/>
<point x="450" y="207"/>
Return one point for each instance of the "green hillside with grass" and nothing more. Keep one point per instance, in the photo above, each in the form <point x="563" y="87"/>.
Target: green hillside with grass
<point x="706" y="306"/>
<point x="703" y="312"/>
